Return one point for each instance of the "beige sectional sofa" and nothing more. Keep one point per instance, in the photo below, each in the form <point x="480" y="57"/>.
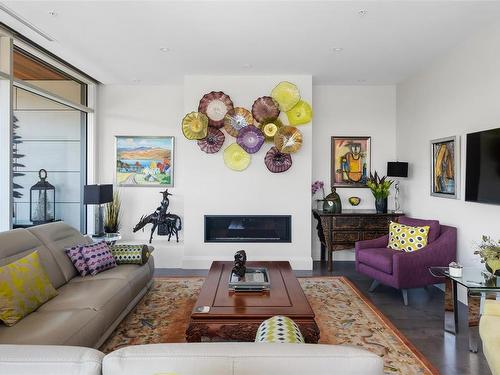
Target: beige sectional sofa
<point x="87" y="309"/>
<point x="58" y="337"/>
<point x="192" y="359"/>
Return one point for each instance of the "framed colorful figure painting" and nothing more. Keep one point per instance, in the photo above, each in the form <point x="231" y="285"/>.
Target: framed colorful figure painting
<point x="144" y="161"/>
<point x="350" y="164"/>
<point x="445" y="165"/>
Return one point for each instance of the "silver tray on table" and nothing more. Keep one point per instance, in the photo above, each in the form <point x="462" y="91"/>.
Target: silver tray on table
<point x="256" y="279"/>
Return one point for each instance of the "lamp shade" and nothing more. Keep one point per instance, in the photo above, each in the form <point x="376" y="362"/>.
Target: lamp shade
<point x="97" y="194"/>
<point x="397" y="169"/>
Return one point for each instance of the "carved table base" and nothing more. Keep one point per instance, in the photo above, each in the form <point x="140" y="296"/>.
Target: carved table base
<point x="210" y="331"/>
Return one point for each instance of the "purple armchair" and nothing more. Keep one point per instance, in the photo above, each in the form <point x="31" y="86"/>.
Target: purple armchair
<point x="403" y="270"/>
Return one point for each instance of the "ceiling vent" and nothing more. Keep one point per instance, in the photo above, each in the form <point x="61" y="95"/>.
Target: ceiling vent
<point x="20" y="19"/>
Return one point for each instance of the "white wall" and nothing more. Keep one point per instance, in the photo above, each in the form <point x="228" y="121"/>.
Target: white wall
<point x="203" y="184"/>
<point x="357" y="111"/>
<point x="214" y="189"/>
<point x="458" y="94"/>
<point x="141" y="110"/>
<point x="211" y="188"/>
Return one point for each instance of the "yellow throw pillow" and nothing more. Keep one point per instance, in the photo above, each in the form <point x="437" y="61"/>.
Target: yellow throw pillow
<point x="407" y="238"/>
<point x="24" y="286"/>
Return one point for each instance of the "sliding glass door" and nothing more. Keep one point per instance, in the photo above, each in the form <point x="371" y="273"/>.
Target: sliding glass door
<point x="52" y="137"/>
<point x="47" y="126"/>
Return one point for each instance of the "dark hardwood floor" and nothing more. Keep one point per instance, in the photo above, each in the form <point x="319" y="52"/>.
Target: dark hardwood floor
<point x="421" y="321"/>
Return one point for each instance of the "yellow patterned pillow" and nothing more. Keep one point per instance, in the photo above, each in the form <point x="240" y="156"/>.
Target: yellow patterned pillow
<point x="24" y="286"/>
<point x="407" y="238"/>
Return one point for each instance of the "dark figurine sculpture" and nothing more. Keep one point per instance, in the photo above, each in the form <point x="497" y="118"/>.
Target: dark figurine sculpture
<point x="168" y="224"/>
<point x="240" y="259"/>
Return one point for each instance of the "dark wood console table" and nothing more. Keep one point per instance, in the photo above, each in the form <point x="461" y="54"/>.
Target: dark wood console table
<point x="341" y="231"/>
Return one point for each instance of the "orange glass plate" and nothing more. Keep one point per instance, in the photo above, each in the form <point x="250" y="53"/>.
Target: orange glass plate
<point x="288" y="139"/>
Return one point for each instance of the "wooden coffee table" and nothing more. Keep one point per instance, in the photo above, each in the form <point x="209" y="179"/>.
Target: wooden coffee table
<point x="236" y="316"/>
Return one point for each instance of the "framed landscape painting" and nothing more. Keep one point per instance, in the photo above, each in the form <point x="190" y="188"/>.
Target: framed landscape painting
<point x="445" y="165"/>
<point x="144" y="161"/>
<point x="350" y="164"/>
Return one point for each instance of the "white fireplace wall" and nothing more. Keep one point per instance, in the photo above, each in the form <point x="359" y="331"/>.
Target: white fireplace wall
<point x="158" y="110"/>
<point x="214" y="189"/>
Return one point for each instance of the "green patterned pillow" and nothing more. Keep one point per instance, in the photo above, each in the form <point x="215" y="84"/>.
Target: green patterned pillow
<point x="130" y="254"/>
<point x="279" y="329"/>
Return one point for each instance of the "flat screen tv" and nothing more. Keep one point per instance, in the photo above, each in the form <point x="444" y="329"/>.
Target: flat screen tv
<point x="482" y="172"/>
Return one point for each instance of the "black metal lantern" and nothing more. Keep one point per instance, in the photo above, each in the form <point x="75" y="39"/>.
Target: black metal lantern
<point x="42" y="200"/>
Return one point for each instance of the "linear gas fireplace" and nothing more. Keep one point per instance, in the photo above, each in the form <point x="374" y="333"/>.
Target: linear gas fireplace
<point x="248" y="228"/>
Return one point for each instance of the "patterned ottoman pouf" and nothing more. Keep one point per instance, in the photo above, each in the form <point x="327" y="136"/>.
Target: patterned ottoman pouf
<point x="279" y="329"/>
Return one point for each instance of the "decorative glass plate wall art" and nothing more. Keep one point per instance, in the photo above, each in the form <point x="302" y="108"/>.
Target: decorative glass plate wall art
<point x="265" y="110"/>
<point x="276" y="161"/>
<point x="213" y="142"/>
<point x="300" y="114"/>
<point x="286" y="95"/>
<point x="215" y="105"/>
<point x="270" y="129"/>
<point x="236" y="158"/>
<point x="195" y="125"/>
<point x="250" y="139"/>
<point x="264" y="123"/>
<point x="288" y="139"/>
<point x="236" y="119"/>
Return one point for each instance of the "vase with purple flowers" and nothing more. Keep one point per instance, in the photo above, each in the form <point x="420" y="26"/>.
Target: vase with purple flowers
<point x="318" y="186"/>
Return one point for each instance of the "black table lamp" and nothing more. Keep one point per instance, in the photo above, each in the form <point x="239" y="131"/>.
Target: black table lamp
<point x="397" y="169"/>
<point x="98" y="195"/>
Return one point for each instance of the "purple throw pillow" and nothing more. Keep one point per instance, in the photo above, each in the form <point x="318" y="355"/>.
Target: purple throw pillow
<point x="98" y="257"/>
<point x="74" y="253"/>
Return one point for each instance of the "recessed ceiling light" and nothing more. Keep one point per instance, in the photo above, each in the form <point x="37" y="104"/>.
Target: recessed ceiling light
<point x="165" y="49"/>
<point x="362" y="12"/>
<point x="136" y="80"/>
<point x="247" y="66"/>
<point x="337" y="49"/>
<point x="53" y="13"/>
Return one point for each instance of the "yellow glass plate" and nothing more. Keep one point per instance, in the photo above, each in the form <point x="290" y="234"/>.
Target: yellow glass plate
<point x="195" y="125"/>
<point x="300" y="114"/>
<point x="270" y="129"/>
<point x="236" y="158"/>
<point x="286" y="95"/>
<point x="288" y="139"/>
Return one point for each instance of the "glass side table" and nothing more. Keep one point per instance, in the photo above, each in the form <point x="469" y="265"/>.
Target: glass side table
<point x="109" y="238"/>
<point x="480" y="285"/>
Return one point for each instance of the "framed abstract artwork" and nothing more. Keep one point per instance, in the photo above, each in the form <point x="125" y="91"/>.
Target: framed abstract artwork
<point x="144" y="161"/>
<point x="350" y="163"/>
<point x="445" y="166"/>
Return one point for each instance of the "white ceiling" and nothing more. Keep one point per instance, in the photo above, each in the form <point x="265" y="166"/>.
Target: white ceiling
<point x="119" y="42"/>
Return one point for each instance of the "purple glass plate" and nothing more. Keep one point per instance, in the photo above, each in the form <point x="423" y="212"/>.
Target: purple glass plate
<point x="265" y="109"/>
<point x="250" y="138"/>
<point x="276" y="161"/>
<point x="215" y="105"/>
<point x="213" y="142"/>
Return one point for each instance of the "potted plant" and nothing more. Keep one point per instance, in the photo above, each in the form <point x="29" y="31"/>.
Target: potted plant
<point x="380" y="187"/>
<point x="489" y="251"/>
<point x="112" y="214"/>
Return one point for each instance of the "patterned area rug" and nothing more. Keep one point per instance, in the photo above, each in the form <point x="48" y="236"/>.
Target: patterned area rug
<point x="343" y="314"/>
